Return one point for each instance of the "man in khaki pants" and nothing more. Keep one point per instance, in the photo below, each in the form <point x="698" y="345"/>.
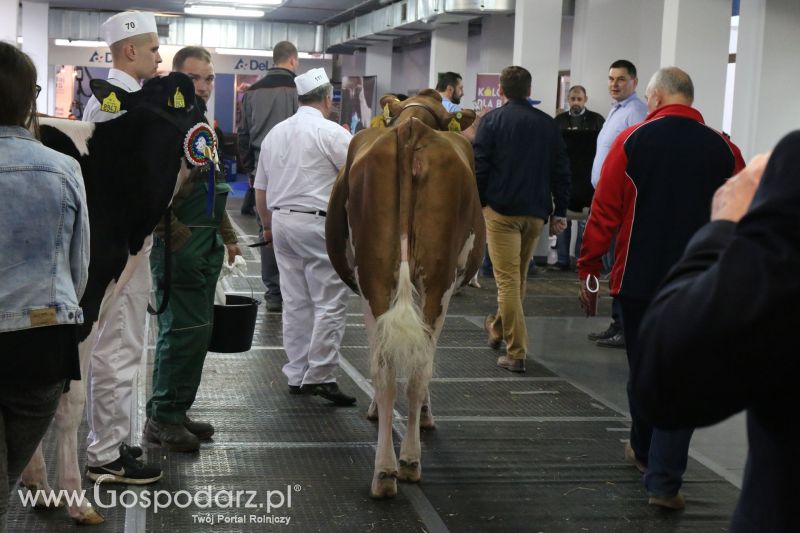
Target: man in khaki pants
<point x="522" y="169"/>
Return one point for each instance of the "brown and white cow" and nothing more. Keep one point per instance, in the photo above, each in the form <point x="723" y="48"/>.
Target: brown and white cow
<point x="404" y="230"/>
<point x="131" y="168"/>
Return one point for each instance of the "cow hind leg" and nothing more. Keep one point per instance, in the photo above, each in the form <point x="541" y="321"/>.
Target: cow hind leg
<point x="426" y="414"/>
<point x="425" y="417"/>
<point x="410" y="453"/>
<point x="384" y="478"/>
<point x="372" y="411"/>
<point x="68" y="418"/>
<point x="34" y="478"/>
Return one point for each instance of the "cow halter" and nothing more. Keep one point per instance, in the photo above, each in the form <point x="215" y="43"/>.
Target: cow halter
<point x="423" y="106"/>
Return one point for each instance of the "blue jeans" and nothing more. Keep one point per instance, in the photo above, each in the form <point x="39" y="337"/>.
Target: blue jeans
<point x="664" y="452"/>
<point x="563" y="240"/>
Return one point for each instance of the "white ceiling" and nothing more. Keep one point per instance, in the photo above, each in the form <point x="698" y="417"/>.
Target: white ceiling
<point x="299" y="11"/>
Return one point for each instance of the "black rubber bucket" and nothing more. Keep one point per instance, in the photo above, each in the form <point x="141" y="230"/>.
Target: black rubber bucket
<point x="234" y="324"/>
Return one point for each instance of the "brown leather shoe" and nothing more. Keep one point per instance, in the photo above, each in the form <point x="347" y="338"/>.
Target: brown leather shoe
<point x="512" y="365"/>
<point x="675" y="502"/>
<point x="630" y="456"/>
<point x="494" y="339"/>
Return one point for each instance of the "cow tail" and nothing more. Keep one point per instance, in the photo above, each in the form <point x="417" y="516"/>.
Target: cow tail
<point x="403" y="339"/>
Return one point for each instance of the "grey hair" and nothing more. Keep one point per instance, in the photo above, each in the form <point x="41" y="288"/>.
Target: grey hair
<point x="316" y="95"/>
<point x="672" y="80"/>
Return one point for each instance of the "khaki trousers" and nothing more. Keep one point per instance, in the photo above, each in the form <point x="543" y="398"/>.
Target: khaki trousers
<point x="512" y="240"/>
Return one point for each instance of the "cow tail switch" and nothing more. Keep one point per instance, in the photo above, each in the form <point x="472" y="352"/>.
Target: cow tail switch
<point x="403" y="339"/>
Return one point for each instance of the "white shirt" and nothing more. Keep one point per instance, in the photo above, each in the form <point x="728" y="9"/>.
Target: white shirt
<point x="123" y="80"/>
<point x="299" y="160"/>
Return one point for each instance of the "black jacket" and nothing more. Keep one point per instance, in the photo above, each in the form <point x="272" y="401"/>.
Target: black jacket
<point x="580" y="136"/>
<point x="720" y="337"/>
<point x="588" y="120"/>
<point x="521" y="162"/>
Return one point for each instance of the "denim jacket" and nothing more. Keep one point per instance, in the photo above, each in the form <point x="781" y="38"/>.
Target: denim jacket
<point x="44" y="235"/>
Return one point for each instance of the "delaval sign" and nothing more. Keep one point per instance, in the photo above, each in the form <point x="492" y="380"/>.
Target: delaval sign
<point x="102" y="57"/>
<point x="251" y="64"/>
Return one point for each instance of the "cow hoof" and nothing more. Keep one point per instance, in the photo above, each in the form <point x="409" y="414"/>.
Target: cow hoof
<point x="410" y="472"/>
<point x="372" y="411"/>
<point x="89" y="517"/>
<point x="426" y="418"/>
<point x="384" y="485"/>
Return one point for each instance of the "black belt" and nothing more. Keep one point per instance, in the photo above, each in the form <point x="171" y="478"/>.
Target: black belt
<point x="318" y="213"/>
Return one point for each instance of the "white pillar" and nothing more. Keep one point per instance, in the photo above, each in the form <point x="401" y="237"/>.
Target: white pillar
<point x="605" y="31"/>
<point x="497" y="42"/>
<point x="448" y="51"/>
<point x="695" y="38"/>
<point x="8" y="22"/>
<point x="764" y="106"/>
<point x="489" y="52"/>
<point x="379" y="63"/>
<point x="537" y="41"/>
<point x="35" y="44"/>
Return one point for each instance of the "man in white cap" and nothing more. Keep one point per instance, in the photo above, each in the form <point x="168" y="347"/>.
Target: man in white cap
<point x="133" y="39"/>
<point x="120" y="330"/>
<point x="297" y="165"/>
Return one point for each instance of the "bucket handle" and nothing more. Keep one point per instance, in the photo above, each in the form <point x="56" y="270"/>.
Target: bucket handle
<point x="250" y="285"/>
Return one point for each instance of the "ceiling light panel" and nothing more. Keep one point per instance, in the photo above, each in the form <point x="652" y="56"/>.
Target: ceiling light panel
<point x="222" y="11"/>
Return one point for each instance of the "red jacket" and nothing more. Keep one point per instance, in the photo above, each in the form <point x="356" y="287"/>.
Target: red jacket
<point x="654" y="192"/>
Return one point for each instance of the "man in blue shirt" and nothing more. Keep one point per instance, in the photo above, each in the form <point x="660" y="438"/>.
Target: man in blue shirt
<point x="451" y="88"/>
<point x="628" y="109"/>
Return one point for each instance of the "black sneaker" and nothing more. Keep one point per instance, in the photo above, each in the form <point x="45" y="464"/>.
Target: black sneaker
<point x="612" y="330"/>
<point x="134" y="451"/>
<point x="615" y="341"/>
<point x="126" y="469"/>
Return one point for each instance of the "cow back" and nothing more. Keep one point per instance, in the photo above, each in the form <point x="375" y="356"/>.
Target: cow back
<point x="130" y="168"/>
<point x="409" y="182"/>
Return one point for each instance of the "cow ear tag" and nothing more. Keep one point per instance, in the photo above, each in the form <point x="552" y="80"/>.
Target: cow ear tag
<point x="178" y="101"/>
<point x="111" y="103"/>
<point x="454" y="124"/>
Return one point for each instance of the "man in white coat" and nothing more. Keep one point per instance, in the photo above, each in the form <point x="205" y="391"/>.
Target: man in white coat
<point x="118" y="336"/>
<point x="297" y="166"/>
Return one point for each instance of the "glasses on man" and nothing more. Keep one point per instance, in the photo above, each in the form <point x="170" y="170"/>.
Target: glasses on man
<point x="38" y="90"/>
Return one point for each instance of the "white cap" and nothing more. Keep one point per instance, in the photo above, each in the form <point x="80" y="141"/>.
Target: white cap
<point x="128" y="24"/>
<point x="308" y="81"/>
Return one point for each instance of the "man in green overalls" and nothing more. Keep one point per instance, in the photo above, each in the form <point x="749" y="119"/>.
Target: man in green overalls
<point x="184" y="328"/>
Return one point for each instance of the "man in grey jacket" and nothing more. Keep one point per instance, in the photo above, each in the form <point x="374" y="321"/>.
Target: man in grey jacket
<point x="270" y="100"/>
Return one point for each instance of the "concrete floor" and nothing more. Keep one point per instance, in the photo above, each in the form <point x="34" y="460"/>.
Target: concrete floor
<point x="264" y="434"/>
<point x="557" y="333"/>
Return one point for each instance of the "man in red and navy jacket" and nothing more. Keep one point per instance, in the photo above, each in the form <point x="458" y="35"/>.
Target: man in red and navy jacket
<point x="655" y="188"/>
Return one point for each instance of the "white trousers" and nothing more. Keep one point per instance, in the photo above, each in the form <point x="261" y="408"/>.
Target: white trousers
<point x="314" y="298"/>
<point x="114" y="361"/>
